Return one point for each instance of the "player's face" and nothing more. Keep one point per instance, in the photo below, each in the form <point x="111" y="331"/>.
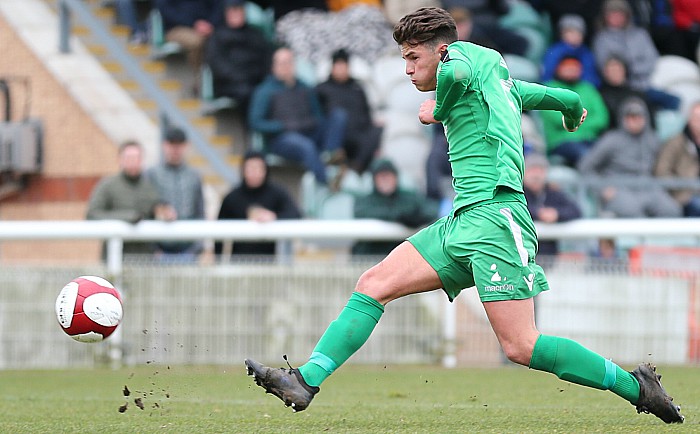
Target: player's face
<point x="421" y="64"/>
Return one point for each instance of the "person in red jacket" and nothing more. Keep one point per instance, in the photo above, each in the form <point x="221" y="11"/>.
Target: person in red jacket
<point x="686" y="17"/>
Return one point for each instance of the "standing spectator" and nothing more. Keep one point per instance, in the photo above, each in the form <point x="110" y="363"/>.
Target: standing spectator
<point x="622" y="38"/>
<point x="180" y="188"/>
<point x="342" y="92"/>
<point x="546" y="203"/>
<point x="686" y="17"/>
<point x="127" y="196"/>
<point x="679" y="157"/>
<point x="572" y="146"/>
<point x="572" y="31"/>
<point x="389" y="202"/>
<point x="656" y="16"/>
<point x="615" y="89"/>
<point x="238" y="54"/>
<point x="289" y="115"/>
<point x="258" y="199"/>
<point x="630" y="152"/>
<point x="190" y="23"/>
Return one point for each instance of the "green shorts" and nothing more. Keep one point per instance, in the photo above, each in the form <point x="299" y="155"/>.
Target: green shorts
<point x="490" y="245"/>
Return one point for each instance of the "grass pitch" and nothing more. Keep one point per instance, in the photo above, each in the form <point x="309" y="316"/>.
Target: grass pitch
<point x="357" y="399"/>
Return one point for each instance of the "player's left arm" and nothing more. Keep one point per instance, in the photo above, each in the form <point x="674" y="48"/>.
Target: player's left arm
<point x="539" y="97"/>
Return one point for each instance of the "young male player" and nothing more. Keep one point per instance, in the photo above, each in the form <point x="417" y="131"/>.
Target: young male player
<point x="488" y="231"/>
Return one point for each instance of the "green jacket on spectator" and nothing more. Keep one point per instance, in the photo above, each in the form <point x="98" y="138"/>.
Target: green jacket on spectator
<point x="596" y="122"/>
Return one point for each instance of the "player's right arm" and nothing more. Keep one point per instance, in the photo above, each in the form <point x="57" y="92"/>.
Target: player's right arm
<point x="538" y="97"/>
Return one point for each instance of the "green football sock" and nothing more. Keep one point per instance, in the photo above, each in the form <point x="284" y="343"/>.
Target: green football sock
<point x="342" y="338"/>
<point x="572" y="362"/>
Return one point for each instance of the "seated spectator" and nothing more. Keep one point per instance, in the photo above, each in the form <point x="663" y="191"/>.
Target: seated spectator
<point x="572" y="31"/>
<point x="546" y="203"/>
<point x="257" y="199"/>
<point x="190" y="23"/>
<point x="342" y="92"/>
<point x="128" y="14"/>
<point x="389" y="202"/>
<point x="572" y="146"/>
<point x="487" y="33"/>
<point x="288" y="114"/>
<point x="615" y="89"/>
<point x="180" y="190"/>
<point x="622" y="38"/>
<point x="127" y="196"/>
<point x="630" y="152"/>
<point x="679" y="157"/>
<point x="238" y="54"/>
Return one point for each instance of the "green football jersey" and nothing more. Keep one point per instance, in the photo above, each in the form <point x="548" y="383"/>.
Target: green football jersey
<point x="480" y="107"/>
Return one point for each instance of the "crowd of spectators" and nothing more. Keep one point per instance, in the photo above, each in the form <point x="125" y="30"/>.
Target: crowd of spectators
<point x="606" y="50"/>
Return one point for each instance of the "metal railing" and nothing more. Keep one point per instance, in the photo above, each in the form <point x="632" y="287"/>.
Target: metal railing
<point x="215" y="313"/>
<point x="115" y="232"/>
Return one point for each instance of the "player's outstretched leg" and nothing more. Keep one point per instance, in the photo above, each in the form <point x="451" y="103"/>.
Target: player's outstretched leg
<point x="286" y="384"/>
<point x="653" y="397"/>
<point x="342" y="338"/>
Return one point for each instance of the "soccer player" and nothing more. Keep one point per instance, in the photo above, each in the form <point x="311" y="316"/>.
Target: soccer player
<point x="487" y="241"/>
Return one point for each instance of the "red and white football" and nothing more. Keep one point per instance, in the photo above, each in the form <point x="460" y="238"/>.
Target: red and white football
<point x="89" y="309"/>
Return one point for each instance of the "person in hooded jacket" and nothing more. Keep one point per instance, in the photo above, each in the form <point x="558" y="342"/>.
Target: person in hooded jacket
<point x="389" y="202"/>
<point x="630" y="151"/>
<point x="258" y="199"/>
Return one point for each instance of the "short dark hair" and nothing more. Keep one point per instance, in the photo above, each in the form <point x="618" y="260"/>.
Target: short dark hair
<point x="426" y="25"/>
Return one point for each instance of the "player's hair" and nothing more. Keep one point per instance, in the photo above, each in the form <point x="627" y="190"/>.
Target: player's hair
<point x="426" y="26"/>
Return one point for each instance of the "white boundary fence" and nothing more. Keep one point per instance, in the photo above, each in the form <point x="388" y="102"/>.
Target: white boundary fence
<point x="221" y="313"/>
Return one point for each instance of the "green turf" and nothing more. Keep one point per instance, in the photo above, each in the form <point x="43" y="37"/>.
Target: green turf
<point x="357" y="399"/>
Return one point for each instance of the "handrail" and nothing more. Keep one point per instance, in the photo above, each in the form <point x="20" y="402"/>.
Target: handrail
<point x="357" y="229"/>
<point x="172" y="113"/>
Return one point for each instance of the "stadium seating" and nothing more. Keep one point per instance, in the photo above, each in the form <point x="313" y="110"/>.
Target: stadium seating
<point x="337" y="206"/>
<point x="160" y="48"/>
<point x="669" y="123"/>
<point x="522" y="68"/>
<point x="670" y="70"/>
<point x="210" y="103"/>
